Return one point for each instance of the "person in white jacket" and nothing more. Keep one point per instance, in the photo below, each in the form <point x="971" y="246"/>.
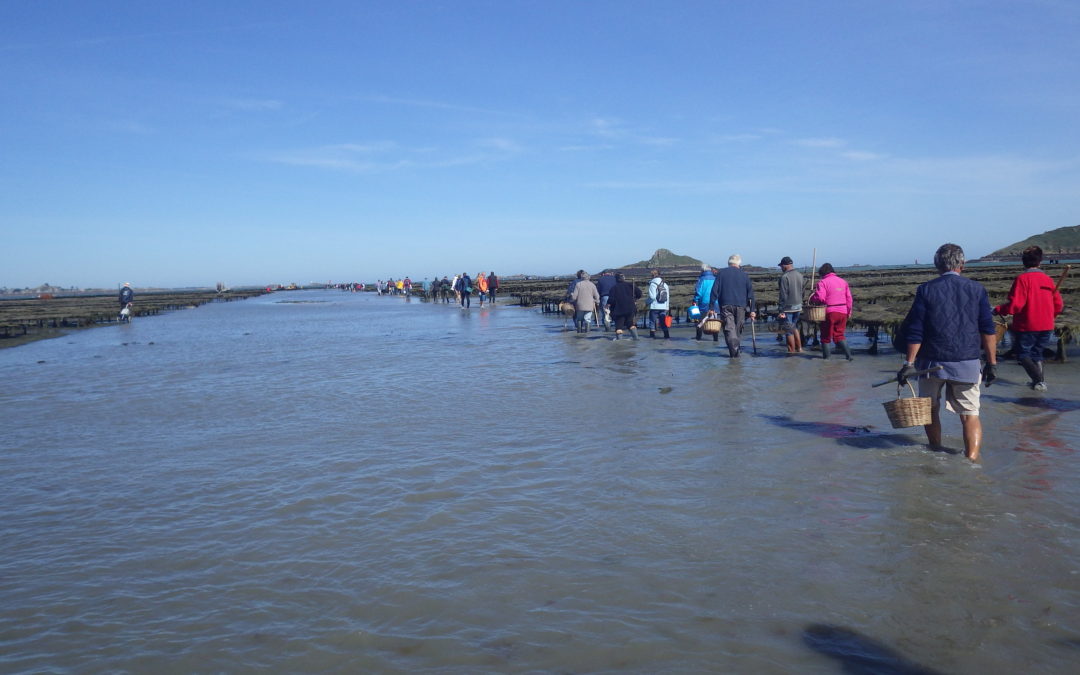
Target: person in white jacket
<point x="659" y="299"/>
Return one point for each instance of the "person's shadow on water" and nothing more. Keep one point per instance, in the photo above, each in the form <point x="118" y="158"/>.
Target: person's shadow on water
<point x="859" y="654"/>
<point x="863" y="437"/>
<point x="1058" y="405"/>
<point x="692" y="352"/>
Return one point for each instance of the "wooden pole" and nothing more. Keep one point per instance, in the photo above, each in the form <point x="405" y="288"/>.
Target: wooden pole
<point x="1064" y="273"/>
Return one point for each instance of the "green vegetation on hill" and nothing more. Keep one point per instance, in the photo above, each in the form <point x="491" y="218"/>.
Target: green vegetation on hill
<point x="665" y="258"/>
<point x="1061" y="241"/>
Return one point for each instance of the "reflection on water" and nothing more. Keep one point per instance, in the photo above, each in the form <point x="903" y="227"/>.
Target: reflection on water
<point x="329" y="481"/>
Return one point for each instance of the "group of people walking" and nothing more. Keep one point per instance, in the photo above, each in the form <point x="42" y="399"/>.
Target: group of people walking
<point x="460" y="289"/>
<point x="724" y="294"/>
<point x="950" y="323"/>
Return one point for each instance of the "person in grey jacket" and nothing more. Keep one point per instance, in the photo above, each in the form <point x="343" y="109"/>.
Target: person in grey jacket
<point x="658" y="309"/>
<point x="791" y="297"/>
<point x="732" y="296"/>
<point x="585" y="298"/>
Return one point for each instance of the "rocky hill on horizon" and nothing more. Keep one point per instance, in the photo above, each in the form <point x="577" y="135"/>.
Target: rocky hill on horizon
<point x="1064" y="242"/>
<point x="664" y="258"/>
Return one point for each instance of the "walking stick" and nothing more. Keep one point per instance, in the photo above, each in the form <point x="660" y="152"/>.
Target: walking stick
<point x="1064" y="273"/>
<point x="753" y="335"/>
<point x="917" y="373"/>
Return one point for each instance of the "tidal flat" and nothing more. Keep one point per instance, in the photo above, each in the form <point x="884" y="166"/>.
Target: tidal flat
<point x="322" y="481"/>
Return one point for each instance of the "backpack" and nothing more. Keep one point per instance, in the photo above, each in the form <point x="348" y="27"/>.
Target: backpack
<point x="662" y="292"/>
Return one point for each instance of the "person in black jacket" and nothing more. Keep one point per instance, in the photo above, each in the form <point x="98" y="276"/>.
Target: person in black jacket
<point x="603" y="286"/>
<point x="623" y="304"/>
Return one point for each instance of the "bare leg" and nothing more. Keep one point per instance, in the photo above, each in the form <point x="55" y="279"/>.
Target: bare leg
<point x="933" y="430"/>
<point x="972" y="436"/>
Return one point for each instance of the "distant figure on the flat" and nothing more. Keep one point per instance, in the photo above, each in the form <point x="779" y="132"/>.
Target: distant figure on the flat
<point x="127" y="296"/>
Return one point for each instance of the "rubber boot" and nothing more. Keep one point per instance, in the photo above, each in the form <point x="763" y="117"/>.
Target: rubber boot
<point x="667" y="333"/>
<point x="824" y="350"/>
<point x="1032" y="371"/>
<point x="842" y="346"/>
<point x="1040" y="383"/>
<point x="633" y="332"/>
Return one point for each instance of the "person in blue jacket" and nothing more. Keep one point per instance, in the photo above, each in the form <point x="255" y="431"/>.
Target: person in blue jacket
<point x="126" y="295"/>
<point x="702" y="293"/>
<point x="949" y="321"/>
<point x="464" y="286"/>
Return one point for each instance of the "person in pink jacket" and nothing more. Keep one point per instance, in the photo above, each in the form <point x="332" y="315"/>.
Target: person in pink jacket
<point x="833" y="292"/>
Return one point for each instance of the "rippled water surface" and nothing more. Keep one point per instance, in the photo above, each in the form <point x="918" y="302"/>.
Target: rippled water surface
<point x="320" y="481"/>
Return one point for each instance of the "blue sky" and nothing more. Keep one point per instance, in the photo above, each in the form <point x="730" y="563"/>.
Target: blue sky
<point x="176" y="144"/>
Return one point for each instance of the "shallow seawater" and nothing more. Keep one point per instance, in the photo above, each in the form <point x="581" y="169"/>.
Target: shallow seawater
<point x="323" y="481"/>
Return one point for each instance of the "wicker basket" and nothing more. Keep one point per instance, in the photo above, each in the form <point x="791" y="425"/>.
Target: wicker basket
<point x="908" y="412"/>
<point x="711" y="326"/>
<point x="566" y="308"/>
<point x="1001" y="326"/>
<point x="815" y="313"/>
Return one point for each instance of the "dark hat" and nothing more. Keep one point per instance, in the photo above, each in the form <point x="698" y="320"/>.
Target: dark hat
<point x="786" y="260"/>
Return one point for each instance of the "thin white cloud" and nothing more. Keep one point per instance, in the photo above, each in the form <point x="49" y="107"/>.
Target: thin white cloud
<point x="499" y="144"/>
<point x="585" y="148"/>
<point x="614" y="129"/>
<point x="253" y="104"/>
<point x="820" y="142"/>
<point x="422" y="103"/>
<point x="133" y="127"/>
<point x="385" y="156"/>
<point x="367" y="148"/>
<point x="990" y="176"/>
<point x="862" y="155"/>
<point x="735" y="138"/>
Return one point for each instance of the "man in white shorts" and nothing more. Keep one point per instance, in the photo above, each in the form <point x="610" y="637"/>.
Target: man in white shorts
<point x="948" y="323"/>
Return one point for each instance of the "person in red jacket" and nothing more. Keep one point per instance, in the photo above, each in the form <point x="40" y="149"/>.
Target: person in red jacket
<point x="1033" y="303"/>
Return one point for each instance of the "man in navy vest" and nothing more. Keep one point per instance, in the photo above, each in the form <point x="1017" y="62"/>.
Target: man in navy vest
<point x="948" y="323"/>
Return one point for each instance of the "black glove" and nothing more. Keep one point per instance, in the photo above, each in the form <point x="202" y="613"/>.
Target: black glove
<point x="904" y="373"/>
<point x="989" y="373"/>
